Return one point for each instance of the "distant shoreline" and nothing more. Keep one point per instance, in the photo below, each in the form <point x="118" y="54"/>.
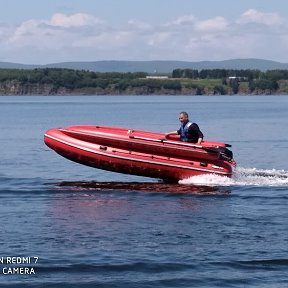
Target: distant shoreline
<point x="139" y="95"/>
<point x="13" y="89"/>
<point x="189" y="82"/>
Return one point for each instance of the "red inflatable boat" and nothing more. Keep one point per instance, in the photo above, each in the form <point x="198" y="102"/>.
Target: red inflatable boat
<point x="140" y="153"/>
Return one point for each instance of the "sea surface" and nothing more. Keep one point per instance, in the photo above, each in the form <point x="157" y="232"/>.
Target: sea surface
<point x="67" y="225"/>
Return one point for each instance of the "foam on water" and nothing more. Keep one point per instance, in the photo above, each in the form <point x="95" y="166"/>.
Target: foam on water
<point x="242" y="177"/>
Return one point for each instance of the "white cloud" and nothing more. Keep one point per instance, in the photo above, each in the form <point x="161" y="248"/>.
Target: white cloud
<point x="158" y="39"/>
<point x="80" y="36"/>
<point x="184" y="20"/>
<point x="74" y="20"/>
<point x="254" y="16"/>
<point x="214" y="24"/>
<point x="60" y="31"/>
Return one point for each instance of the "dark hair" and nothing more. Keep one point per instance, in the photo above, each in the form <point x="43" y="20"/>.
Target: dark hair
<point x="184" y="113"/>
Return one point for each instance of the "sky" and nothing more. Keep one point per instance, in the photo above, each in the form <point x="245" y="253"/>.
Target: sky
<point x="52" y="31"/>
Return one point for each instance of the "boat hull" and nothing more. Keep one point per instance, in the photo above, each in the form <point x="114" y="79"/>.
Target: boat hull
<point x="124" y="154"/>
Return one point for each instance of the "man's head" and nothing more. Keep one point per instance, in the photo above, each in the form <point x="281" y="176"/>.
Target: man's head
<point x="183" y="117"/>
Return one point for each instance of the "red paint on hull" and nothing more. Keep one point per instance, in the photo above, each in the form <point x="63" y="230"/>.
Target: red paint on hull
<point x="137" y="152"/>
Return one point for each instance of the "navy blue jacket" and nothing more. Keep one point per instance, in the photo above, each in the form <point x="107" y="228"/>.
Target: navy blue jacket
<point x="190" y="132"/>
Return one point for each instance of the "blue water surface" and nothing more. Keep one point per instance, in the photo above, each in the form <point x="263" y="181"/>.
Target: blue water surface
<point x="93" y="228"/>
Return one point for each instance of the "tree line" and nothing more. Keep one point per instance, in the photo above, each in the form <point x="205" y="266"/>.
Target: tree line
<point x="77" y="79"/>
<point x="178" y="81"/>
<point x="249" y="74"/>
<point x="257" y="79"/>
<point x="67" y="78"/>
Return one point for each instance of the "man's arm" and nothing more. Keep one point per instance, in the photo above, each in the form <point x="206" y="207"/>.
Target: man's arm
<point x="194" y="129"/>
<point x="171" y="133"/>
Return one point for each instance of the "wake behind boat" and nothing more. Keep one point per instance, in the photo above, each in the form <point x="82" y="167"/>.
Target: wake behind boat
<point x="139" y="152"/>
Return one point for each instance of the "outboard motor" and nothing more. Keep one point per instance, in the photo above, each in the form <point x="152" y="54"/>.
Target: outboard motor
<point x="225" y="154"/>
